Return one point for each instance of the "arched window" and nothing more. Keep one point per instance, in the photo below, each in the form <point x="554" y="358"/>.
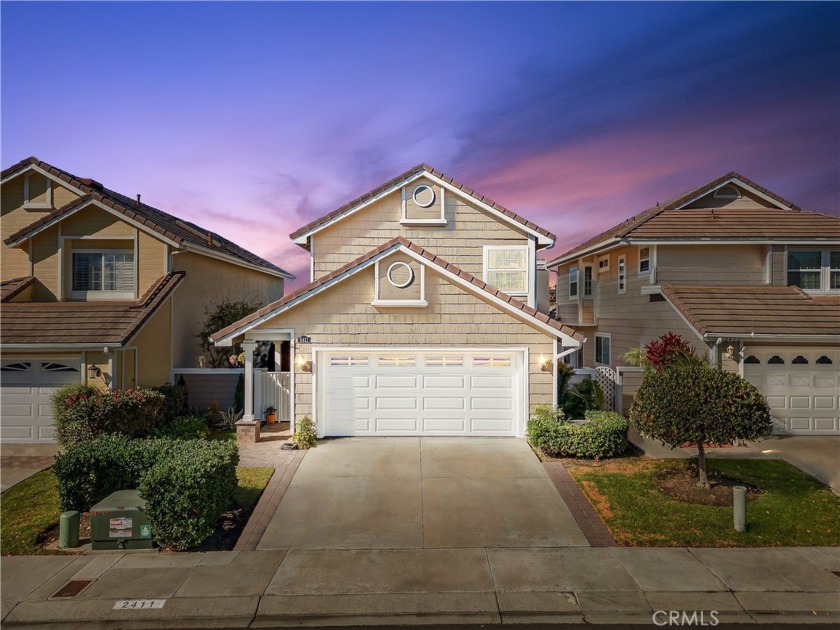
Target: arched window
<point x="727" y="192"/>
<point x="824" y="360"/>
<point x="800" y="360"/>
<point x="775" y="360"/>
<point x="752" y="359"/>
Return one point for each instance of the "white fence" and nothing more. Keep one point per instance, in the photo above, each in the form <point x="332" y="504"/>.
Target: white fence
<point x="619" y="386"/>
<point x="273" y="389"/>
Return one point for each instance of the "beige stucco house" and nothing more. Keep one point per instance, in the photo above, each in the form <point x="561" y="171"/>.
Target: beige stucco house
<point x="101" y="288"/>
<point x="420" y="316"/>
<point x="743" y="274"/>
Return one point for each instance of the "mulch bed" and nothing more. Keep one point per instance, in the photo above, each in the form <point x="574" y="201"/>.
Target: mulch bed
<point x="682" y="486"/>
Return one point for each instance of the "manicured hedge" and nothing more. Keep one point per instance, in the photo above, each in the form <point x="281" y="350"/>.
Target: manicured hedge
<point x="187" y="484"/>
<point x="603" y="434"/>
<point x="84" y="413"/>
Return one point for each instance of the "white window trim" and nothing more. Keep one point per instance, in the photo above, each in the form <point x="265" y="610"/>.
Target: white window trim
<point x="649" y="259"/>
<point x="582" y="288"/>
<point x="37" y="206"/>
<point x="396" y="303"/>
<point x="621" y="277"/>
<point x="825" y="269"/>
<point x="404" y="220"/>
<point x="608" y="337"/>
<point x="527" y="268"/>
<point x="576" y="283"/>
<point x="605" y="267"/>
<point x="102" y="295"/>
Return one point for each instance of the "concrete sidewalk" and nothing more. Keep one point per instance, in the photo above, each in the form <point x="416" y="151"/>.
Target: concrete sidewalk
<point x="331" y="587"/>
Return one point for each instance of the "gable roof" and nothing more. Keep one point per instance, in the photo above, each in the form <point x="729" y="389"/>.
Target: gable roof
<point x="82" y="323"/>
<point x="669" y="220"/>
<point x="181" y="232"/>
<point x="498" y="298"/>
<point x="11" y="288"/>
<point x="403" y="178"/>
<point x="750" y="310"/>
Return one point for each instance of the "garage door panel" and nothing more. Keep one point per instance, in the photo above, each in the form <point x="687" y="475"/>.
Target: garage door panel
<point x="799" y="402"/>
<point x="418" y="393"/>
<point x="444" y="425"/>
<point x="823" y="381"/>
<point x="825" y="402"/>
<point x="825" y="424"/>
<point x="777" y="402"/>
<point x="443" y="382"/>
<point x="432" y="402"/>
<point x="798" y="423"/>
<point x="20" y="433"/>
<point x="800" y="380"/>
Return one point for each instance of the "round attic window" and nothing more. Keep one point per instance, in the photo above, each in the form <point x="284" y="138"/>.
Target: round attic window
<point x="400" y="274"/>
<point x="423" y="196"/>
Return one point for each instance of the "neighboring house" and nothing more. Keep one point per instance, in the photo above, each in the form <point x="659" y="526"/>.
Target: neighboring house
<point x="420" y="316"/>
<point x="103" y="289"/>
<point x="741" y="273"/>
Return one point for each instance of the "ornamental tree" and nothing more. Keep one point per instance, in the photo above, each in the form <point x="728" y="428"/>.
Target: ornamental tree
<point x="216" y="317"/>
<point x="667" y="349"/>
<point x="692" y="402"/>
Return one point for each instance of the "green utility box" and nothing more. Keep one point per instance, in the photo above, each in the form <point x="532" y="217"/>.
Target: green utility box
<point x="119" y="521"/>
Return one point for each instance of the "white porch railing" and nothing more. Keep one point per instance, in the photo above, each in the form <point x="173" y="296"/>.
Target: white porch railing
<point x="273" y="389"/>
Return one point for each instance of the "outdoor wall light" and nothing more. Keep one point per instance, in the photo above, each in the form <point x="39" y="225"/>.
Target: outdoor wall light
<point x="546" y="364"/>
<point x="304" y="364"/>
<point x="93" y="371"/>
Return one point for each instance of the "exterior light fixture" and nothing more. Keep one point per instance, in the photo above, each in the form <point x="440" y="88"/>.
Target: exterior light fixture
<point x="93" y="371"/>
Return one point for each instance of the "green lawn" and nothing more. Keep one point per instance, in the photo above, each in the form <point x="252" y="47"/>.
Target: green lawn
<point x="27" y="509"/>
<point x="31" y="507"/>
<point x="793" y="510"/>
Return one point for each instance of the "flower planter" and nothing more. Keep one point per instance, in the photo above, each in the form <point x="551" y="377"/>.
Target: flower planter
<point x="271" y="418"/>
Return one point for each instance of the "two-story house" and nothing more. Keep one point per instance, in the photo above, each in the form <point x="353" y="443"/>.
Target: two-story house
<point x="743" y="274"/>
<point x="100" y="288"/>
<point x="420" y="316"/>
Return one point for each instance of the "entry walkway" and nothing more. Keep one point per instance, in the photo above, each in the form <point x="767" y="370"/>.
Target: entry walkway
<point x="332" y="587"/>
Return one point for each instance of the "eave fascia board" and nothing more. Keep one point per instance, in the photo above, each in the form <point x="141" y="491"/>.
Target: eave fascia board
<point x="714" y="336"/>
<point x="514" y="311"/>
<point x="190" y="247"/>
<point x="761" y="240"/>
<point x="103" y="206"/>
<point x="542" y="239"/>
<point x="740" y="184"/>
<point x="32" y="347"/>
<point x="593" y="249"/>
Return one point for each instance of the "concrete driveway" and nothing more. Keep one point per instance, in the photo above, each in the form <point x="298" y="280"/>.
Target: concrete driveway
<point x="404" y="493"/>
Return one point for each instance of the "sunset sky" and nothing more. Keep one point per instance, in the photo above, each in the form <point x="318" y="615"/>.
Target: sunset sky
<point x="253" y="119"/>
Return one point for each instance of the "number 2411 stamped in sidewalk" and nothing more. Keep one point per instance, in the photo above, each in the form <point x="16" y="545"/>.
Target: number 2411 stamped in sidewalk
<point x="138" y="604"/>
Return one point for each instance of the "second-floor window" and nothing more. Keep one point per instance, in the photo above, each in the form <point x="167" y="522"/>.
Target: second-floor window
<point x="622" y="274"/>
<point x="573" y="282"/>
<point x="587" y="282"/>
<point x="814" y="269"/>
<point x="644" y="260"/>
<point x="506" y="268"/>
<point x="101" y="272"/>
<point x="602" y="349"/>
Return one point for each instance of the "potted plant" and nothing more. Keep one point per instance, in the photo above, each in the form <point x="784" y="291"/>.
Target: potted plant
<point x="270" y="415"/>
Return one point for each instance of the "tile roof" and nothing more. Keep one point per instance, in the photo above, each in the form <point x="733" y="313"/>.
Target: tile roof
<point x="413" y="171"/>
<point x="437" y="260"/>
<point x="95" y="323"/>
<point x="666" y="221"/>
<point x="11" y="288"/>
<point x="165" y="224"/>
<point x="759" y="309"/>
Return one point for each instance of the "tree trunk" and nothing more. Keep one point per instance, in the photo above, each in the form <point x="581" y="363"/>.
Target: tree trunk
<point x="701" y="466"/>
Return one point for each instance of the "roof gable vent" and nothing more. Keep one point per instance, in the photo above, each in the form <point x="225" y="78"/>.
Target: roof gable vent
<point x="727" y="192"/>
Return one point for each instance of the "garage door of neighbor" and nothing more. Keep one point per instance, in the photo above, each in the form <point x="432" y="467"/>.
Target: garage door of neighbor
<point x="802" y="389"/>
<point x="27" y="386"/>
<point x="476" y="392"/>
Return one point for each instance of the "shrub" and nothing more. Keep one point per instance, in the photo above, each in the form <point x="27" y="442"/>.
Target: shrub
<point x="667" y="349"/>
<point x="183" y="428"/>
<point x="187" y="492"/>
<point x="304" y="436"/>
<point x="83" y="413"/>
<point x="187" y="484"/>
<point x="582" y="397"/>
<point x="693" y="402"/>
<point x="604" y="434"/>
<point x="175" y="399"/>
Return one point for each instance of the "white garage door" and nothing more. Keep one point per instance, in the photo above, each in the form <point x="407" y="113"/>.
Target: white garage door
<point x="420" y="393"/>
<point x="802" y="389"/>
<point x="26" y="386"/>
